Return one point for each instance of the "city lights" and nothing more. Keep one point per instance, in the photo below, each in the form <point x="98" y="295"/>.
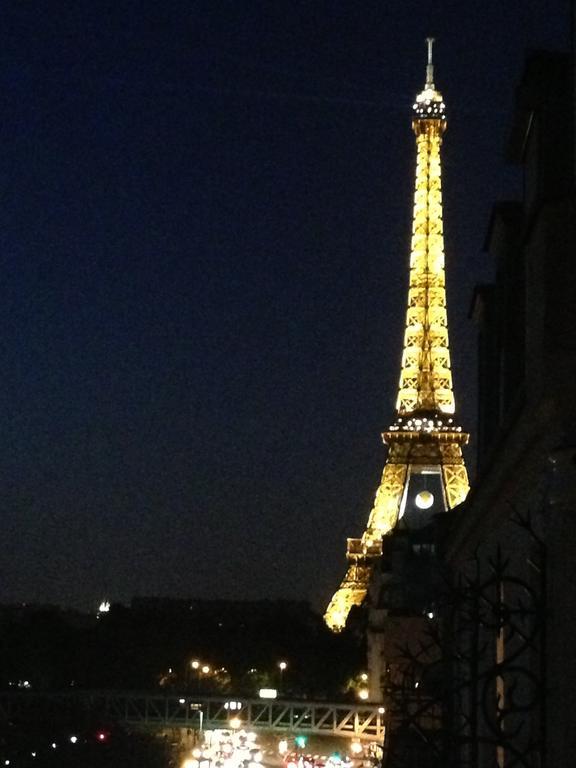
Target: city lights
<point x="224" y="748"/>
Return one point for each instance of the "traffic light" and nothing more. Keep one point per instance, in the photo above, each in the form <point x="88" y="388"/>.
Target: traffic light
<point x="300" y="741"/>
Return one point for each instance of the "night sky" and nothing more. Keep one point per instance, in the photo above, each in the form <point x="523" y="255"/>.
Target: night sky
<point x="205" y="213"/>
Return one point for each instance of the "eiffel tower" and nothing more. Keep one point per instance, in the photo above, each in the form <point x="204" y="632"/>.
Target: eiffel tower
<point x="424" y="471"/>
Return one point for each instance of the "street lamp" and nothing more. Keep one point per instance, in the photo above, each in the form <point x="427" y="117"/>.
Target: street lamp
<point x="203" y="670"/>
<point x="195" y="665"/>
<point x="282" y="666"/>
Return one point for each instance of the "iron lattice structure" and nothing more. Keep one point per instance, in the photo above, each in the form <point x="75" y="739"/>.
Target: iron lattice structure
<point x="424" y="437"/>
<point x="158" y="711"/>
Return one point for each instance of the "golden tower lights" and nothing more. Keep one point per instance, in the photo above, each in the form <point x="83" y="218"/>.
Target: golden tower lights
<point x="424" y="443"/>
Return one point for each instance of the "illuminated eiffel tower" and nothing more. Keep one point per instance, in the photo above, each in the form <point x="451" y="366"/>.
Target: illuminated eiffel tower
<point x="424" y="471"/>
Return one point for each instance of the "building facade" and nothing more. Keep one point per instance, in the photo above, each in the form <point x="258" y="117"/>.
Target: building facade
<point x="512" y="546"/>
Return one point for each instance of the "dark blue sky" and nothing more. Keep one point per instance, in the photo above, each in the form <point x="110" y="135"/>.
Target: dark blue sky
<point x="205" y="214"/>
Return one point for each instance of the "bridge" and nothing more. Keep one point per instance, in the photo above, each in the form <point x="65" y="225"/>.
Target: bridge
<point x="152" y="710"/>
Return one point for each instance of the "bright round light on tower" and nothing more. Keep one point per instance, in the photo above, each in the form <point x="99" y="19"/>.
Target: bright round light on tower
<point x="424" y="500"/>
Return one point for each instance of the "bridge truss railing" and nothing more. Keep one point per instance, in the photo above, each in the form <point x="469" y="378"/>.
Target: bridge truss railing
<point x="364" y="722"/>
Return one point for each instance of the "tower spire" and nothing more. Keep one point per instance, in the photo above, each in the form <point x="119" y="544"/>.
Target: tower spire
<point x="424" y="442"/>
<point x="430" y="65"/>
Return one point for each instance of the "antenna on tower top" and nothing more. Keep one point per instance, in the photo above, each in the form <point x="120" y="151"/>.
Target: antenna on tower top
<point x="430" y="65"/>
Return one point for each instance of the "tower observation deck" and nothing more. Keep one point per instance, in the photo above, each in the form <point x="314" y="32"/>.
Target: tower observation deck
<point x="424" y="471"/>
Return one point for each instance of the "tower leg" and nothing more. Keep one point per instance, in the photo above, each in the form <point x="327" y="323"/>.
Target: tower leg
<point x="454" y="475"/>
<point x="384" y="514"/>
<point x="363" y="552"/>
